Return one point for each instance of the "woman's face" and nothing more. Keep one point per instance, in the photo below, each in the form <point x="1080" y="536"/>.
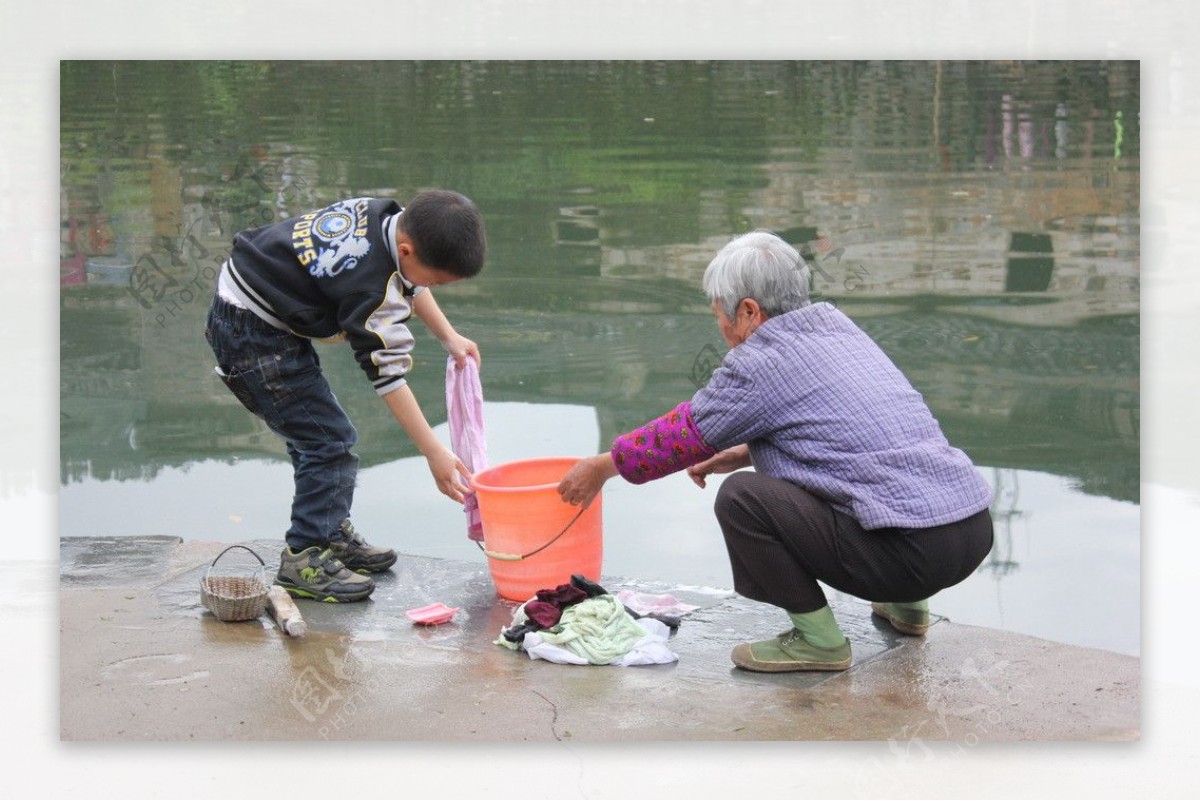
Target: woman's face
<point x="736" y="330"/>
<point x="748" y="317"/>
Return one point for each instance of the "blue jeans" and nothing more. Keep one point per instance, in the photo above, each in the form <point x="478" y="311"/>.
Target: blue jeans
<point x="277" y="376"/>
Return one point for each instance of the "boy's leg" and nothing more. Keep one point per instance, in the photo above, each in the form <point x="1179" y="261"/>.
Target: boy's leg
<point x="319" y="439"/>
<point x="277" y="376"/>
<point x="325" y="470"/>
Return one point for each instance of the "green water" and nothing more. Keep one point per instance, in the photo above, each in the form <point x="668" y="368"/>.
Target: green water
<point x="980" y="220"/>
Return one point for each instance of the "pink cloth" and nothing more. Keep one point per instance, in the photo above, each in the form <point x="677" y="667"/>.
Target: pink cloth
<point x="645" y="603"/>
<point x="660" y="447"/>
<point x="464" y="411"/>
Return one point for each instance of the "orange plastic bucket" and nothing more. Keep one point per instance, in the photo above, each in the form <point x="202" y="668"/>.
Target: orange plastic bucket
<point x="532" y="538"/>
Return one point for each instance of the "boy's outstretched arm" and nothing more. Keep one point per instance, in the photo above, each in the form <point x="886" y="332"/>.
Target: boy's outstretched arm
<point x="443" y="464"/>
<point x="458" y="346"/>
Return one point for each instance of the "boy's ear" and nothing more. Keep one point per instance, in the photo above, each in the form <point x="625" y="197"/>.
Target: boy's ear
<point x="404" y="245"/>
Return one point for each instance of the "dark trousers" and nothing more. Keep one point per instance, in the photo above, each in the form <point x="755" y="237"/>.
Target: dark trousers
<point x="277" y="376"/>
<point x="782" y="540"/>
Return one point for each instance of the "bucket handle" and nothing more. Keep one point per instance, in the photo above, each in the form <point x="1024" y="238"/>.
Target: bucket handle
<point x="514" y="557"/>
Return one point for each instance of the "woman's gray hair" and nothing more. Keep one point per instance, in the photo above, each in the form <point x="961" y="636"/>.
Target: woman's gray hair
<point x="761" y="266"/>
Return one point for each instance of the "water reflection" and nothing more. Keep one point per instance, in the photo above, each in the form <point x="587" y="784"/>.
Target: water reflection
<point x="980" y="220"/>
<point x="1063" y="566"/>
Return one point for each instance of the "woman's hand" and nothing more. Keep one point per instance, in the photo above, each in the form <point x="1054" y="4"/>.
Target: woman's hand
<point x="446" y="469"/>
<point x="461" y="348"/>
<point x="726" y="461"/>
<point x="583" y="481"/>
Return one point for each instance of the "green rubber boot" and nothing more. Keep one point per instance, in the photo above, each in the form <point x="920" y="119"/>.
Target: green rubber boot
<point x="912" y="618"/>
<point x="814" y="643"/>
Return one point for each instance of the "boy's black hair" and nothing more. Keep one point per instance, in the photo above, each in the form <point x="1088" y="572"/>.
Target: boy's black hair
<point x="447" y="232"/>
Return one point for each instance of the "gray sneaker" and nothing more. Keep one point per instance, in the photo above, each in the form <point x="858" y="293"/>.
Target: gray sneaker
<point x="355" y="553"/>
<point x="316" y="573"/>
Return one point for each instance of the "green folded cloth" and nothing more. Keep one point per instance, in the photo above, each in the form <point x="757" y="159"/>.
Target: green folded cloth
<point x="598" y="630"/>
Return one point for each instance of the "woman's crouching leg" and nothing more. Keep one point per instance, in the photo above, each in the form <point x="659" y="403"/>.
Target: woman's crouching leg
<point x="778" y="537"/>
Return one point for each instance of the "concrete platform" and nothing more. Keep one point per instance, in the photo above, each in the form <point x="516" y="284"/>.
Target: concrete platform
<point x="141" y="659"/>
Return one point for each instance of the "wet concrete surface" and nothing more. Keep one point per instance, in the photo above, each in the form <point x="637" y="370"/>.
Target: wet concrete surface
<point x="141" y="659"/>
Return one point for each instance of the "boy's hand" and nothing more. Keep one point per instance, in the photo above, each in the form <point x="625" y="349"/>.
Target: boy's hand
<point x="449" y="472"/>
<point x="460" y="348"/>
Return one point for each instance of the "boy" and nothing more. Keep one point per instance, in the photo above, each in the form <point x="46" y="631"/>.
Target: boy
<point x="357" y="269"/>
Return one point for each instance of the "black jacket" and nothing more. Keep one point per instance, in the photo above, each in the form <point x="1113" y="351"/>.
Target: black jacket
<point x="331" y="273"/>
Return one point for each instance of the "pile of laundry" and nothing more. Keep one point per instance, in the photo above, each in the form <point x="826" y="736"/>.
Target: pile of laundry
<point x="580" y="623"/>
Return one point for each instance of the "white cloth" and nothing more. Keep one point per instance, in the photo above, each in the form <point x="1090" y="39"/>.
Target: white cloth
<point x="649" y="650"/>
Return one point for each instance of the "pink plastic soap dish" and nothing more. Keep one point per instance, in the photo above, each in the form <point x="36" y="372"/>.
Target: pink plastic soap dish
<point x="431" y="614"/>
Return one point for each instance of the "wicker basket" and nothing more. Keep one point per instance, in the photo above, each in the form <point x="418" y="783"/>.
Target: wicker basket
<point x="235" y="597"/>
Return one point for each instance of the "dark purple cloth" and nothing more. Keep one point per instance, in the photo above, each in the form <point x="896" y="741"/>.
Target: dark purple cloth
<point x="548" y="606"/>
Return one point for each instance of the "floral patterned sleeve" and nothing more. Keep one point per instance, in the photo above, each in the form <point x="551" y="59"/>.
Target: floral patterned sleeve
<point x="663" y="446"/>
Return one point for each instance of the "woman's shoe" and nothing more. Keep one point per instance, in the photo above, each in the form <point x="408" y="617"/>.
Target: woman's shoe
<point x="789" y="652"/>
<point x="906" y="618"/>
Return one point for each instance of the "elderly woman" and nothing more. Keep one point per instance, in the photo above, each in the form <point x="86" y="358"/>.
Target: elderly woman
<point x="854" y="484"/>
